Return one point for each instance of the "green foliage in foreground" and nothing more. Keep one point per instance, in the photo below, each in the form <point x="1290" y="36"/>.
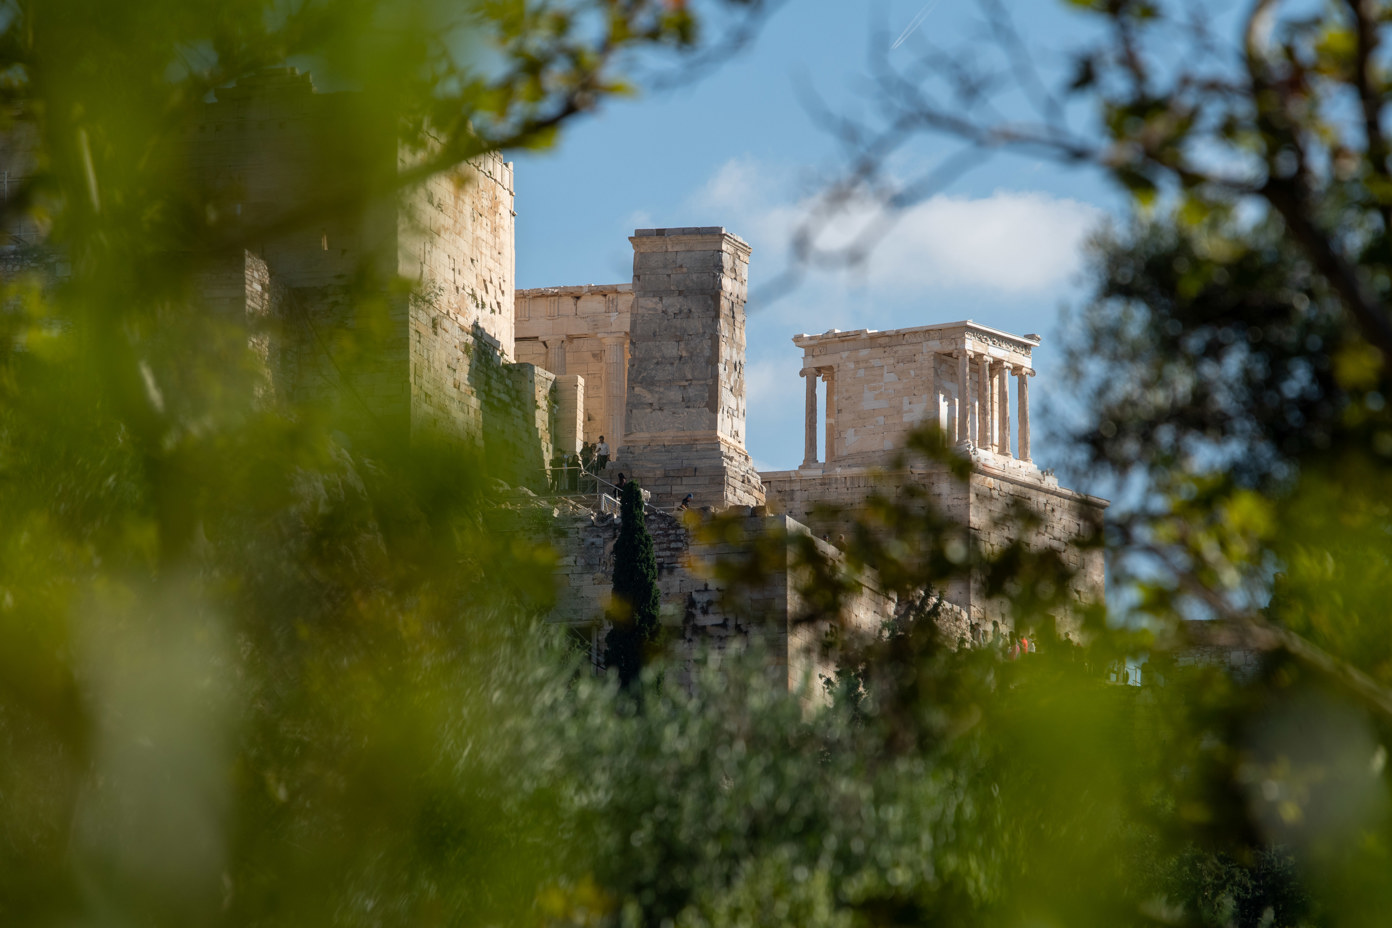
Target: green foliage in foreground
<point x="1025" y="792"/>
<point x="250" y="675"/>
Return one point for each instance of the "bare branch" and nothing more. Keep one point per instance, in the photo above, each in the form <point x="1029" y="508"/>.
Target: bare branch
<point x="1369" y="98"/>
<point x="1273" y="637"/>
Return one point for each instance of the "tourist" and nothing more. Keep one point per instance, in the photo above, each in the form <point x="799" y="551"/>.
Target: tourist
<point x="685" y="504"/>
<point x="587" y="455"/>
<point x="602" y="454"/>
<point x="557" y="471"/>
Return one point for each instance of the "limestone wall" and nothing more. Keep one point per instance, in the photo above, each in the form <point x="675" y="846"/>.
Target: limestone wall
<point x="1069" y="523"/>
<point x="312" y="171"/>
<point x="700" y="617"/>
<point x="582" y="330"/>
<point x="271" y="154"/>
<point x="456" y="233"/>
<point x="831" y="504"/>
<point x="320" y="347"/>
<point x="988" y="504"/>
<point x="570" y="413"/>
<point x="464" y="388"/>
<point x="242" y="289"/>
<point x="684" y="423"/>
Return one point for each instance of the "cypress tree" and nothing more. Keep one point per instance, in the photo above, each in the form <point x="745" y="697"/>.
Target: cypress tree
<point x="636" y="602"/>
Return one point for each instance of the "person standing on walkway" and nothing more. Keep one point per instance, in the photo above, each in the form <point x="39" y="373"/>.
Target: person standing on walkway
<point x="601" y="454"/>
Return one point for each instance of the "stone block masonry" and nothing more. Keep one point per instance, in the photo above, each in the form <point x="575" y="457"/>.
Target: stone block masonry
<point x="395" y="310"/>
<point x="955" y="377"/>
<point x="1067" y="522"/>
<point x="463" y="388"/>
<point x="701" y="617"/>
<point x="685" y="413"/>
<point x="582" y="330"/>
<point x="882" y="385"/>
<point x="455" y="235"/>
<point x="570" y="413"/>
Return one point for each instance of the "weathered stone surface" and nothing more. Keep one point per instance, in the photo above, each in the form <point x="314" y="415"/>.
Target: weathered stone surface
<point x="700" y="617"/>
<point x="585" y="331"/>
<point x="570" y="413"/>
<point x="830" y="503"/>
<point x="883" y="385"/>
<point x="956" y="376"/>
<point x="437" y="361"/>
<point x="685" y="419"/>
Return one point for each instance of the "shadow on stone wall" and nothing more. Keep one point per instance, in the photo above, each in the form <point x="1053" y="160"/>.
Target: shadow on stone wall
<point x="517" y="405"/>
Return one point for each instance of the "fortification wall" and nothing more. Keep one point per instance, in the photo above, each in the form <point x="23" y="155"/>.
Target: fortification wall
<point x="311" y="172"/>
<point x="321" y="347"/>
<point x="314" y="177"/>
<point x="241" y="289"/>
<point x="457" y="233"/>
<point x="994" y="504"/>
<point x="463" y="388"/>
<point x="700" y="617"/>
<point x="1069" y="523"/>
<point x="832" y="504"/>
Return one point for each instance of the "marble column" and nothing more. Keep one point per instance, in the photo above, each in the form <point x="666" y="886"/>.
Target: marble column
<point x="615" y="389"/>
<point x="1022" y="387"/>
<point x="809" y="456"/>
<point x="829" y="375"/>
<point x="1003" y="409"/>
<point x="963" y="393"/>
<point x="985" y="406"/>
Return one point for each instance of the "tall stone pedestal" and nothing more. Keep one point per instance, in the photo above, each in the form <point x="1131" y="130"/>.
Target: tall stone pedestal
<point x="685" y="415"/>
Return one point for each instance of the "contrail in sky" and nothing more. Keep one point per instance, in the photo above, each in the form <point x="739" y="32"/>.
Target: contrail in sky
<point x="917" y="21"/>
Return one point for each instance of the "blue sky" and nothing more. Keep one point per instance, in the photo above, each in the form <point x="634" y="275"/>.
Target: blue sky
<point x="1001" y="245"/>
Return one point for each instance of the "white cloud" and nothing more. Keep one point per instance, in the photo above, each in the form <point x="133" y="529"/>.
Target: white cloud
<point x="638" y="219"/>
<point x="1008" y="243"/>
<point x="735" y="186"/>
<point x="1006" y="259"/>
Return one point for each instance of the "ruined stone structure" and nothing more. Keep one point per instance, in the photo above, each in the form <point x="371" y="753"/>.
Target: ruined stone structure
<point x="395" y="310"/>
<point x="700" y="616"/>
<point x="663" y="361"/>
<point x="879" y="387"/>
<point x="582" y="332"/>
<point x="433" y="358"/>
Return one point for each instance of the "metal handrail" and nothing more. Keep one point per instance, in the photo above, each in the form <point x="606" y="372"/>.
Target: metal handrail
<point x="601" y="484"/>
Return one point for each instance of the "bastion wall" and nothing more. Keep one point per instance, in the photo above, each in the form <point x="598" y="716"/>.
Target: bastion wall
<point x="395" y="309"/>
<point x="431" y="358"/>
<point x="701" y="616"/>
